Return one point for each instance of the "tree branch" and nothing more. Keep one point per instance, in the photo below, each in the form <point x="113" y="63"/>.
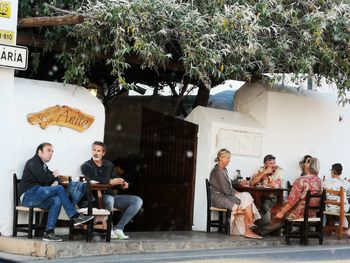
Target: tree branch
<point x="68" y="12"/>
<point x="51" y="21"/>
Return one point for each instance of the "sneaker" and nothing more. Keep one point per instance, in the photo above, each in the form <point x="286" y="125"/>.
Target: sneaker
<point x="51" y="238"/>
<point x="119" y="234"/>
<point x="113" y="235"/>
<point x="82" y="219"/>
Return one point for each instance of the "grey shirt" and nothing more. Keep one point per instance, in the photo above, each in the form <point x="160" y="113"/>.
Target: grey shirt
<point x="222" y="192"/>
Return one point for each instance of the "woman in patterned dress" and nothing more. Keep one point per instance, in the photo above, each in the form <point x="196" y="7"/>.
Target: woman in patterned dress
<point x="295" y="206"/>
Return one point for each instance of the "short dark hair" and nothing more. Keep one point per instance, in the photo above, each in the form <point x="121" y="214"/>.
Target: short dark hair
<point x="41" y="146"/>
<point x="337" y="168"/>
<point x="269" y="157"/>
<point x="99" y="143"/>
<point x="121" y="163"/>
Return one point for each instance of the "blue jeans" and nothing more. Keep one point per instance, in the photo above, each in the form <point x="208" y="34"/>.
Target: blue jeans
<point x="130" y="204"/>
<point x="51" y="198"/>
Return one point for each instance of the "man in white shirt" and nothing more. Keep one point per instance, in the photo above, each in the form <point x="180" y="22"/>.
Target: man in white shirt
<point x="335" y="183"/>
<point x="270" y="174"/>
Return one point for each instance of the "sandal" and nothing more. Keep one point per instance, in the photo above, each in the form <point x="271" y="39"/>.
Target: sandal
<point x="253" y="236"/>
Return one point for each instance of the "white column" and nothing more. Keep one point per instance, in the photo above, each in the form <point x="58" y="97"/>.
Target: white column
<point x="8" y="133"/>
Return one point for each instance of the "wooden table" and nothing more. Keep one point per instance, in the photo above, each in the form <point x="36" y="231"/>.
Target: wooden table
<point x="99" y="188"/>
<point x="258" y="192"/>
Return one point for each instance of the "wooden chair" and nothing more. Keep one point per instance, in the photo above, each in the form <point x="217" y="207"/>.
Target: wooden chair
<point x="304" y="232"/>
<point x="338" y="200"/>
<point x="219" y="223"/>
<point x="101" y="223"/>
<point x="34" y="214"/>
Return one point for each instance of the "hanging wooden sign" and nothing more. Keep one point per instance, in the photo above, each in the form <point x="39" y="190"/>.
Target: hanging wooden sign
<point x="61" y="116"/>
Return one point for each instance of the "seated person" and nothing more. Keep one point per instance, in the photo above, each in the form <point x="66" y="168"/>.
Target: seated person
<point x="295" y="205"/>
<point x="244" y="211"/>
<point x="120" y="169"/>
<point x="101" y="170"/>
<point x="335" y="183"/>
<point x="39" y="188"/>
<point x="302" y="164"/>
<point x="270" y="174"/>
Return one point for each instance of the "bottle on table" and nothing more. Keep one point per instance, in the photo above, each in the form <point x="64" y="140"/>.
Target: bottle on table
<point x="238" y="175"/>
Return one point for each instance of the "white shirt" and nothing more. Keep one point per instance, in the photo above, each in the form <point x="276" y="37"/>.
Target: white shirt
<point x="335" y="184"/>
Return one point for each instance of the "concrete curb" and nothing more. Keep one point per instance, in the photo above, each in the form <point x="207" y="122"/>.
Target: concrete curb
<point x="141" y="242"/>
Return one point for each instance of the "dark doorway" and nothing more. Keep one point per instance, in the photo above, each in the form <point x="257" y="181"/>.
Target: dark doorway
<point x="166" y="183"/>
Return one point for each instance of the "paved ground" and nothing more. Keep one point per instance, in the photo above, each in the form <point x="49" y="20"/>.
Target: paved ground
<point x="145" y="243"/>
<point x="288" y="254"/>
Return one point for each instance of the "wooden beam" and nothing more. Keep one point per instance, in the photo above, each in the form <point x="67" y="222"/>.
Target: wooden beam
<point x="51" y="21"/>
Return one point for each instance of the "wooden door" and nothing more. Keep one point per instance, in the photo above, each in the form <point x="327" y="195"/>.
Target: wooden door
<point x="166" y="183"/>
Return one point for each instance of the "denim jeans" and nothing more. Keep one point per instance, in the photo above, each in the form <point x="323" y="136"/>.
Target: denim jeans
<point x="130" y="204"/>
<point x="51" y="198"/>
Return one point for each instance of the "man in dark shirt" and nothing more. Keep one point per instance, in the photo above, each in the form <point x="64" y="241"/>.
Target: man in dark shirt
<point x="39" y="188"/>
<point x="101" y="170"/>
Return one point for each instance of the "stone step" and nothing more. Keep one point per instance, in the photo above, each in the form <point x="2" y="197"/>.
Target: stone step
<point x="141" y="242"/>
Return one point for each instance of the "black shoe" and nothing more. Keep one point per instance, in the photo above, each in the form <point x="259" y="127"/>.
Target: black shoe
<point x="51" y="238"/>
<point x="82" y="219"/>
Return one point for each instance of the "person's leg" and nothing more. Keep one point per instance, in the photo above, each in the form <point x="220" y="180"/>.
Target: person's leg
<point x="59" y="191"/>
<point x="53" y="204"/>
<point x="37" y="196"/>
<point x="43" y="198"/>
<point x="248" y="216"/>
<point x="108" y="202"/>
<point x="247" y="207"/>
<point x="130" y="204"/>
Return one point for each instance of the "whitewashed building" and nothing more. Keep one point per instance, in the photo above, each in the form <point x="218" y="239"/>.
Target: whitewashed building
<point x="282" y="121"/>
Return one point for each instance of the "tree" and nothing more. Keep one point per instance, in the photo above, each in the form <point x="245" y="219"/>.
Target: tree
<point x="199" y="42"/>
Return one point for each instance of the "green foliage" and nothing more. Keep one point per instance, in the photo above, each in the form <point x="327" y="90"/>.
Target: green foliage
<point x="214" y="40"/>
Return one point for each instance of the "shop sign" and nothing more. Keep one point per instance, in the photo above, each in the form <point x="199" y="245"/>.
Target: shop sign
<point x="61" y="116"/>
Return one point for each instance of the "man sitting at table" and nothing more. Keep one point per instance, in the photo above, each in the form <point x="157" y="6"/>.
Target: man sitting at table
<point x="39" y="188"/>
<point x="269" y="174"/>
<point x="102" y="171"/>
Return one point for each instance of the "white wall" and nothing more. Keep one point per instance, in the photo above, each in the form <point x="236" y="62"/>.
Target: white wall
<point x="8" y="132"/>
<point x="210" y="121"/>
<point x="299" y="122"/>
<point x="71" y="148"/>
<point x="310" y="126"/>
<point x="292" y="123"/>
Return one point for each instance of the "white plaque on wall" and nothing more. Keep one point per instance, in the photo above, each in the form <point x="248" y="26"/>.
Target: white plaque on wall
<point x="242" y="143"/>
